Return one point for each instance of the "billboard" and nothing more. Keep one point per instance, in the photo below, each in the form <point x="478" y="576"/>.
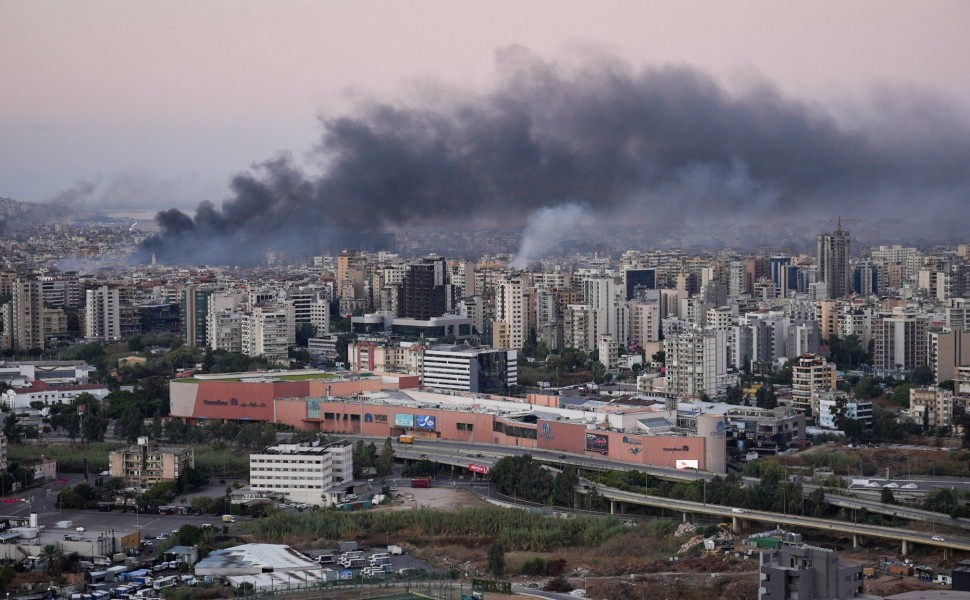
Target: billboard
<point x="424" y="422"/>
<point x="686" y="464"/>
<point x="597" y="442"/>
<point x="401" y="420"/>
<point x="478" y="469"/>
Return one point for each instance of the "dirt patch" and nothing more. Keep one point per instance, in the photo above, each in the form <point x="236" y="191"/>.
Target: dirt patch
<point x="446" y="498"/>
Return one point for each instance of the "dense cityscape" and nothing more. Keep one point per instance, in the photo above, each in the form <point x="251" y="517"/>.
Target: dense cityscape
<point x="737" y="389"/>
<point x="484" y="300"/>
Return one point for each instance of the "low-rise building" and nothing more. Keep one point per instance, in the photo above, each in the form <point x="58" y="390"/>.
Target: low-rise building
<point x="19" y="398"/>
<point x="479" y="370"/>
<point x="830" y="403"/>
<point x="931" y="406"/>
<point x="146" y="463"/>
<point x="802" y="571"/>
<point x="301" y="473"/>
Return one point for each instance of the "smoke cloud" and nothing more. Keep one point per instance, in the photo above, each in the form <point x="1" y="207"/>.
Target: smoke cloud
<point x="665" y="146"/>
<point x="546" y="228"/>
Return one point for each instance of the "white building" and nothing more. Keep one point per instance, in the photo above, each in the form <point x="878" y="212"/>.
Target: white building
<point x="479" y="370"/>
<point x="224" y="330"/>
<point x="102" y="314"/>
<point x="609" y="352"/>
<point x="512" y="310"/>
<point x="18" y="398"/>
<point x="301" y="473"/>
<point x="320" y="316"/>
<point x="268" y="331"/>
<point x="697" y="363"/>
<point x="579" y="327"/>
<point x="860" y="410"/>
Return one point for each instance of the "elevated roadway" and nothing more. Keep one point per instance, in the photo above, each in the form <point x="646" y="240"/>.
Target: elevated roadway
<point x="462" y="455"/>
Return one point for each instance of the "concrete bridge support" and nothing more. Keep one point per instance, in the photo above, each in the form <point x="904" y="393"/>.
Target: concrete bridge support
<point x="905" y="549"/>
<point x="855" y="540"/>
<point x="735" y="524"/>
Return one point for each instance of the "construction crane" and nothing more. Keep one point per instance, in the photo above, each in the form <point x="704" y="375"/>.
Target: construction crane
<point x="840" y="220"/>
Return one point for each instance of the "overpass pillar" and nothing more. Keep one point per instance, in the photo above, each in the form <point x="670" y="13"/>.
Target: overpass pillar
<point x="855" y="540"/>
<point x="612" y="507"/>
<point x="735" y="525"/>
<point x="684" y="516"/>
<point x="905" y="549"/>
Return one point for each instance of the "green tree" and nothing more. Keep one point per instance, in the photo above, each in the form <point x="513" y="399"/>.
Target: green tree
<point x="385" y="462"/>
<point x="564" y="487"/>
<point x="10" y="427"/>
<point x="734" y="394"/>
<point x="496" y="559"/>
<point x="305" y="331"/>
<point x="130" y="426"/>
<point x="901" y="394"/>
<point x="887" y="496"/>
<point x="52" y="555"/>
<point x="765" y="397"/>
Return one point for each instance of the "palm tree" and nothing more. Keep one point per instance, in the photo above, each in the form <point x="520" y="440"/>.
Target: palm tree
<point x="52" y="555"/>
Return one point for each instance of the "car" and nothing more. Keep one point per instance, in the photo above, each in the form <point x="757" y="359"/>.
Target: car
<point x="162" y="536"/>
<point x="562" y="457"/>
<point x="80" y="530"/>
<point x="939" y="538"/>
<point x="423" y="456"/>
<point x="175" y="532"/>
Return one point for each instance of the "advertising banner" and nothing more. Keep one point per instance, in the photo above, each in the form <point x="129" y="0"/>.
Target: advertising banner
<point x="401" y="420"/>
<point x="596" y="442"/>
<point x="478" y="469"/>
<point x="424" y="422"/>
<point x="686" y="464"/>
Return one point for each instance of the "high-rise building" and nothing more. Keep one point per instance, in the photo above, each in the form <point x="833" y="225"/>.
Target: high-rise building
<point x="267" y="331"/>
<point x="947" y="352"/>
<point x="639" y="278"/>
<point x="102" y="314"/>
<point x="697" y="363"/>
<point x="832" y="260"/>
<point x="811" y="376"/>
<point x="423" y="293"/>
<point x="899" y="340"/>
<point x="194" y="308"/>
<point x="23" y="316"/>
<point x="512" y="311"/>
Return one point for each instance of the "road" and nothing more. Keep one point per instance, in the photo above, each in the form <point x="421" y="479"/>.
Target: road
<point x="462" y="454"/>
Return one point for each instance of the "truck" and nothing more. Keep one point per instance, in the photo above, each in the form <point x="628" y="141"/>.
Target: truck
<point x="395" y="550"/>
<point x="228" y="519"/>
<point x="421" y="482"/>
<point x="406" y="439"/>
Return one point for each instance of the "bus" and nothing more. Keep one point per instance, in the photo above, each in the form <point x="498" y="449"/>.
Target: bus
<point x="165" y="582"/>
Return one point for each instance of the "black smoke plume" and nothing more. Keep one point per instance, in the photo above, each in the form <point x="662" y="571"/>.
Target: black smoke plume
<point x="661" y="146"/>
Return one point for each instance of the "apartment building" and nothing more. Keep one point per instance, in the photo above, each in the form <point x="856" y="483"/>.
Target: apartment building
<point x="146" y="463"/>
<point x="931" y="406"/>
<point x="811" y="375"/>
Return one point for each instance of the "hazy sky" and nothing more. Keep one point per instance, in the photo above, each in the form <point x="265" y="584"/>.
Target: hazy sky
<point x="161" y="103"/>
